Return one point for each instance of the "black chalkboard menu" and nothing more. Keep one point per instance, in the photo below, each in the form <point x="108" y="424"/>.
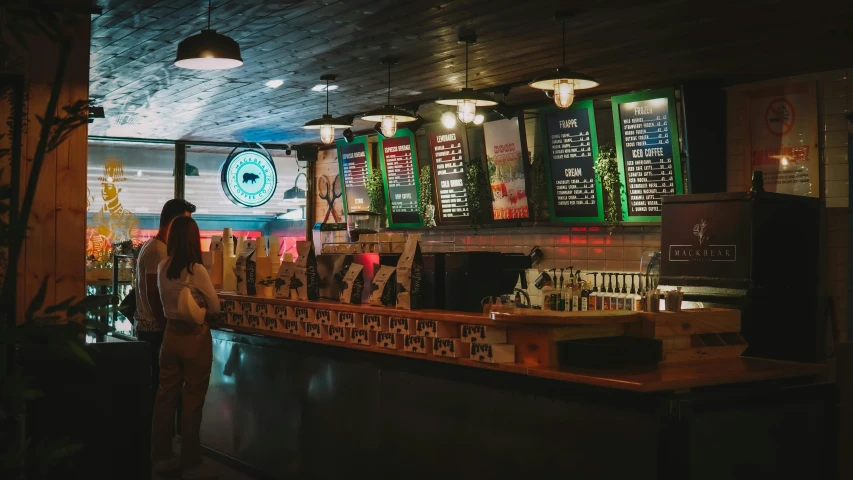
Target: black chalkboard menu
<point x="354" y="160"/>
<point x="450" y="176"/>
<point x="573" y="143"/>
<point x="647" y="149"/>
<point x="399" y="164"/>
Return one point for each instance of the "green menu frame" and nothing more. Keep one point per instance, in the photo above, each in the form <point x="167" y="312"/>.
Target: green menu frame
<point x="403" y="132"/>
<point x="543" y="113"/>
<point x="341" y="142"/>
<point x="669" y="94"/>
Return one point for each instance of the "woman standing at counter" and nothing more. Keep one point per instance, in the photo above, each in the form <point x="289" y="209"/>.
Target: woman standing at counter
<point x="187" y="352"/>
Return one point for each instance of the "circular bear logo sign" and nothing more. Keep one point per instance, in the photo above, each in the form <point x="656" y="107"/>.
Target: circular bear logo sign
<point x="249" y="178"/>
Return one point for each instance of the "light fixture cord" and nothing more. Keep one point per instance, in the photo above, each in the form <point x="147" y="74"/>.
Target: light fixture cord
<point x="327" y="97"/>
<point x="467" y="43"/>
<point x="389" y="83"/>
<point x="209" y="10"/>
<point x="564" y="41"/>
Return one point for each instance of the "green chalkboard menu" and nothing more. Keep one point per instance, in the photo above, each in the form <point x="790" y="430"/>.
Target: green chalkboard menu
<point x="648" y="153"/>
<point x="450" y="175"/>
<point x="399" y="162"/>
<point x="354" y="161"/>
<point x="575" y="189"/>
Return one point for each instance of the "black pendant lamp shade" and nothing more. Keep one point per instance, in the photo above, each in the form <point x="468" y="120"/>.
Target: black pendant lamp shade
<point x="467" y="100"/>
<point x="389" y="116"/>
<point x="327" y="123"/>
<point x="563" y="81"/>
<point x="208" y="50"/>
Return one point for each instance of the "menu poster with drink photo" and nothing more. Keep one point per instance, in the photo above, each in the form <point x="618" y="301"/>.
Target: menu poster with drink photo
<point x="506" y="153"/>
<point x="400" y="165"/>
<point x="575" y="190"/>
<point x="354" y="161"/>
<point x="648" y="153"/>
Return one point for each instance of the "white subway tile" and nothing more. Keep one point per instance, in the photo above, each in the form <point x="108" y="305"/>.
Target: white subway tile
<point x="835" y="155"/>
<point x="836" y="172"/>
<point x="835" y="139"/>
<point x="838" y="202"/>
<point x="836" y="189"/>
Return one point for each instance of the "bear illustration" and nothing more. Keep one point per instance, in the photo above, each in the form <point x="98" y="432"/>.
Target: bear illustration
<point x="250" y="177"/>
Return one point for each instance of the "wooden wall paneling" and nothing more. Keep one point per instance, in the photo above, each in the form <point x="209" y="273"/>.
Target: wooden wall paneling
<point x="71" y="181"/>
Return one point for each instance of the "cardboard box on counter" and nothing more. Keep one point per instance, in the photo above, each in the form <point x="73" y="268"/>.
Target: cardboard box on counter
<point x="315" y="330"/>
<point x="336" y="333"/>
<point x="483" y="334"/>
<point x="282" y="312"/>
<point x="450" y="347"/>
<point x="362" y="336"/>
<point x="350" y="319"/>
<point x="376" y="323"/>
<point x="417" y="344"/>
<point x="325" y="317"/>
<point x="433" y="328"/>
<point x="294" y="328"/>
<point x="391" y="341"/>
<point x="401" y="325"/>
<point x="488" y="353"/>
<point x="303" y="314"/>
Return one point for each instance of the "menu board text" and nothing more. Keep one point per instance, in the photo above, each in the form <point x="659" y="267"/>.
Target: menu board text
<point x="647" y="154"/>
<point x="400" y="175"/>
<point x="354" y="166"/>
<point x="446" y="149"/>
<point x="573" y="186"/>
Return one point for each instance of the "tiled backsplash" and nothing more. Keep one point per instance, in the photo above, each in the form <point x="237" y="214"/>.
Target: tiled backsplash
<point x="588" y="249"/>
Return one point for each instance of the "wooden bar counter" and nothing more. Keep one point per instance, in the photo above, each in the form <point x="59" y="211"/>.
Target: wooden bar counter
<point x="285" y="404"/>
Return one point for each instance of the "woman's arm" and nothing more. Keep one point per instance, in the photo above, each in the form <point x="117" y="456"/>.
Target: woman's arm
<point x="201" y="281"/>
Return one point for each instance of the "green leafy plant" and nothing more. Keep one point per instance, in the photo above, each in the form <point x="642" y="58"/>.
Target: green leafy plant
<point x="477" y="184"/>
<point x="427" y="197"/>
<point x="539" y="182"/>
<point x="607" y="169"/>
<point x="375" y="191"/>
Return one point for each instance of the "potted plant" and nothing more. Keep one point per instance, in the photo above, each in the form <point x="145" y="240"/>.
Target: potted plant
<point x="266" y="287"/>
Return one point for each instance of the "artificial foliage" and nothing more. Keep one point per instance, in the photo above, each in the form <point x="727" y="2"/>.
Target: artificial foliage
<point x="427" y="197"/>
<point x="607" y="169"/>
<point x="477" y="184"/>
<point x="539" y="183"/>
<point x="376" y="191"/>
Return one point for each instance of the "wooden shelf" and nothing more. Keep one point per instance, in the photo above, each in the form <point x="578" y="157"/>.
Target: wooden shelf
<point x="527" y="316"/>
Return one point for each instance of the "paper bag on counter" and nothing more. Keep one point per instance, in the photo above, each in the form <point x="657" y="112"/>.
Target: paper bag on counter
<point x="216" y="261"/>
<point x="410" y="269"/>
<point x="353" y="285"/>
<point x="382" y="288"/>
<point x="286" y="273"/>
<point x="245" y="269"/>
<point x="306" y="281"/>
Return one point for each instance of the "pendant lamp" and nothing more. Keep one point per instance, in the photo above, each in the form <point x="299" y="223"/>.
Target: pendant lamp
<point x="563" y="82"/>
<point x="208" y="50"/>
<point x="326" y="124"/>
<point x="389" y="116"/>
<point x="467" y="100"/>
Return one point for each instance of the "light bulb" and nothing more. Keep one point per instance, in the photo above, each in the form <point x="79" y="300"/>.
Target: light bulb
<point x="388" y="126"/>
<point x="564" y="92"/>
<point x="466" y="110"/>
<point x="479" y="118"/>
<point x="327" y="134"/>
<point x="448" y="119"/>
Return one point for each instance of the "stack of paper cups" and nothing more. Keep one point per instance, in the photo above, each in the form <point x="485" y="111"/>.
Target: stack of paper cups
<point x="229" y="259"/>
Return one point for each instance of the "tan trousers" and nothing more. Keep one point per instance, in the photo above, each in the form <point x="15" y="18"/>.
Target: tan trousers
<point x="185" y="360"/>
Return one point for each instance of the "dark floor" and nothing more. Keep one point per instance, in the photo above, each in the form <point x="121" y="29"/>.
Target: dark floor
<point x="225" y="472"/>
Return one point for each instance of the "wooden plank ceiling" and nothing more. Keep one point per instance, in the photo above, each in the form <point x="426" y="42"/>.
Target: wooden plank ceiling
<point x="625" y="44"/>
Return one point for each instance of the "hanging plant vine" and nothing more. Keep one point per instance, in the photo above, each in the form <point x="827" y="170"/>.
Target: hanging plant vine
<point x="427" y="199"/>
<point x="538" y="182"/>
<point x="375" y="191"/>
<point x="476" y="183"/>
<point x="607" y="169"/>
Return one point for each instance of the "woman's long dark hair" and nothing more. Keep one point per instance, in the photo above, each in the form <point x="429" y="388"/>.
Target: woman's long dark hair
<point x="184" y="247"/>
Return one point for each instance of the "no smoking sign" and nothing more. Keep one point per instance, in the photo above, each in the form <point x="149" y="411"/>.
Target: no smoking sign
<point x="779" y="117"/>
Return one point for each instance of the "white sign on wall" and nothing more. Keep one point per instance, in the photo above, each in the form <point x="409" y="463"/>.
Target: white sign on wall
<point x="783" y="137"/>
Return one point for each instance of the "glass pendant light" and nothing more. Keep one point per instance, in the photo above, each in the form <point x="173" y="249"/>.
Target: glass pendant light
<point x="467" y="100"/>
<point x="327" y="124"/>
<point x="448" y="119"/>
<point x="563" y="82"/>
<point x="389" y="116"/>
<point x="208" y="50"/>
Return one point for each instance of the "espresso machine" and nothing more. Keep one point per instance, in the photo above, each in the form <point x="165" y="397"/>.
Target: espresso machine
<point x="757" y="252"/>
